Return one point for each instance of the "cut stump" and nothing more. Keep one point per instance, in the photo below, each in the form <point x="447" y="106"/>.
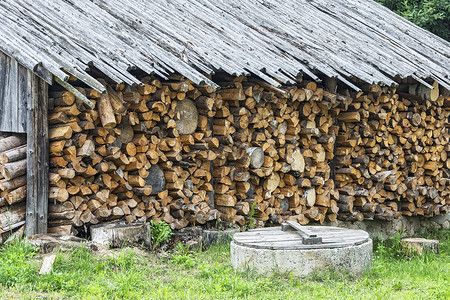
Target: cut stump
<point x="211" y="237"/>
<point x="119" y="234"/>
<point x="420" y="246"/>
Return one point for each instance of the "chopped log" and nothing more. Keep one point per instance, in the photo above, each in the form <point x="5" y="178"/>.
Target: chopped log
<point x="14" y="154"/>
<point x="12" y="217"/>
<point x="58" y="194"/>
<point x="106" y="112"/>
<point x="188" y="117"/>
<point x="320" y="154"/>
<point x="272" y="182"/>
<point x="11" y="142"/>
<point x="256" y="157"/>
<point x="156" y="179"/>
<point x="60" y="133"/>
<point x="13" y="184"/>
<point x="17" y="195"/>
<point x="62" y="230"/>
<point x="14" y="169"/>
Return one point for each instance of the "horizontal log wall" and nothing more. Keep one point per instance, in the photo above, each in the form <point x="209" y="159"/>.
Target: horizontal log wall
<point x="185" y="154"/>
<point x="13" y="185"/>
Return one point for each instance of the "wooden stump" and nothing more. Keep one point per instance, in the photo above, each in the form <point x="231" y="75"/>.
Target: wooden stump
<point x="420" y="246"/>
<point x="120" y="234"/>
<point x="211" y="237"/>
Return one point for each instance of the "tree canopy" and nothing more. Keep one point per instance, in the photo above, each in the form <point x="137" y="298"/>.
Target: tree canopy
<point x="433" y="15"/>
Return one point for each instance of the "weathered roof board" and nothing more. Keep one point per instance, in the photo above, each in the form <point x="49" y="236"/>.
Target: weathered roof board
<point x="269" y="38"/>
<point x="15" y="93"/>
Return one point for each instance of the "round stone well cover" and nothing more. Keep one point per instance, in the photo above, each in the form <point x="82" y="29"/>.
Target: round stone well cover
<point x="275" y="239"/>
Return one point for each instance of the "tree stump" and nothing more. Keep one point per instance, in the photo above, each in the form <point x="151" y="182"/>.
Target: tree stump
<point x="120" y="234"/>
<point x="420" y="246"/>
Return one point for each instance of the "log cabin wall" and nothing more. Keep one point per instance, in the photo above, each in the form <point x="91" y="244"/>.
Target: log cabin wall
<point x="13" y="185"/>
<point x="23" y="110"/>
<point x="187" y="154"/>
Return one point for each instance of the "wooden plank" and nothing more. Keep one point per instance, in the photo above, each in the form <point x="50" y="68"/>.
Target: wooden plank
<point x="47" y="264"/>
<point x="3" y="64"/>
<point x="14" y="94"/>
<point x="24" y="95"/>
<point x="37" y="158"/>
<point x="5" y="119"/>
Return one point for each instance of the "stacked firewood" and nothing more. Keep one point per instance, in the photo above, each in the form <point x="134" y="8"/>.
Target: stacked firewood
<point x="187" y="154"/>
<point x="275" y="145"/>
<point x="141" y="154"/>
<point x="13" y="185"/>
<point x="391" y="155"/>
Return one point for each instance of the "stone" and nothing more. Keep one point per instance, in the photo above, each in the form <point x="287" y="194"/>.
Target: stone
<point x="446" y="224"/>
<point x="411" y="226"/>
<point x="420" y="246"/>
<point x="398" y="227"/>
<point x="440" y="219"/>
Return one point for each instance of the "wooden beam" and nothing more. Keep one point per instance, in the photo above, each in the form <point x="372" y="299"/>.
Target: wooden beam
<point x="37" y="158"/>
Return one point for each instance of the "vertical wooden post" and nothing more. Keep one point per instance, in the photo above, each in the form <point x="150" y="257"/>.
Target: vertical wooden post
<point x="211" y="168"/>
<point x="37" y="158"/>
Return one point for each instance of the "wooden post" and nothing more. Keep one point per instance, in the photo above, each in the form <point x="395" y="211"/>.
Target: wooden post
<point x="37" y="158"/>
<point x="211" y="168"/>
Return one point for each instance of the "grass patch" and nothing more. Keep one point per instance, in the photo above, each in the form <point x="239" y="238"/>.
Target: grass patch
<point x="183" y="274"/>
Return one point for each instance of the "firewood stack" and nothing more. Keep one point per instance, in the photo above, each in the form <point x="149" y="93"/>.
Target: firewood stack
<point x="275" y="144"/>
<point x="391" y="155"/>
<point x="187" y="154"/>
<point x="13" y="185"/>
<point x="140" y="154"/>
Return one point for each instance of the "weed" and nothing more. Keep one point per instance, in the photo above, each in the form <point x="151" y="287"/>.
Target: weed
<point x="219" y="225"/>
<point x="182" y="249"/>
<point x="251" y="218"/>
<point x="15" y="268"/>
<point x="331" y="274"/>
<point x="161" y="233"/>
<point x="183" y="256"/>
<point x="390" y="247"/>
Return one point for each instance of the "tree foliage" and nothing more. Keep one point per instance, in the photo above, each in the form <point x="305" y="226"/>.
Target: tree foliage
<point x="433" y="15"/>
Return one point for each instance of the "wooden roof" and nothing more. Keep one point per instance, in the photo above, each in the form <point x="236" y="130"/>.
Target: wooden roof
<point x="275" y="40"/>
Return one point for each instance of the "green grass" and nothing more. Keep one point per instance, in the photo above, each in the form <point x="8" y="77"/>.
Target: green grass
<point x="134" y="274"/>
